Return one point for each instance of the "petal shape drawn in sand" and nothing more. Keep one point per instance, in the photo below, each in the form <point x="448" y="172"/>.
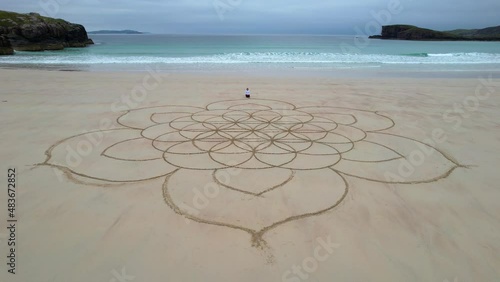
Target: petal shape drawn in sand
<point x="254" y="104"/>
<point x="146" y="117"/>
<point x="89" y="156"/>
<point x="403" y="160"/>
<point x="308" y="193"/>
<point x="365" y="120"/>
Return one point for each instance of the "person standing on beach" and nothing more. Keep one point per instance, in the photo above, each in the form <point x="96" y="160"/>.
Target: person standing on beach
<point x="247" y="93"/>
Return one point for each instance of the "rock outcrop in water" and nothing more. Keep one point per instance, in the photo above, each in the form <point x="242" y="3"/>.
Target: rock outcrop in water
<point x="32" y="32"/>
<point x="5" y="47"/>
<point x="409" y="32"/>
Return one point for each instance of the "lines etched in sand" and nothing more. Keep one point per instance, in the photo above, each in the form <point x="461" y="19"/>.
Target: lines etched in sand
<point x="276" y="144"/>
<point x="216" y="180"/>
<point x="257" y="240"/>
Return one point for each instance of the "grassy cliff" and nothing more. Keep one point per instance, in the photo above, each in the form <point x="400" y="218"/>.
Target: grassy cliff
<point x="489" y="33"/>
<point x="410" y="32"/>
<point x="33" y="32"/>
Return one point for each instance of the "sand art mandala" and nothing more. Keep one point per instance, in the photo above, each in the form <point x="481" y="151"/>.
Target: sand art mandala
<point x="251" y="165"/>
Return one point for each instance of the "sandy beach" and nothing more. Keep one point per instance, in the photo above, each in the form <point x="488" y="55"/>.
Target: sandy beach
<point x="177" y="177"/>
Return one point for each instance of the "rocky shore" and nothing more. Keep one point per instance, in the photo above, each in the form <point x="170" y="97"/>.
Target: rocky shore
<point x="33" y="32"/>
<point x="5" y="47"/>
<point x="409" y="32"/>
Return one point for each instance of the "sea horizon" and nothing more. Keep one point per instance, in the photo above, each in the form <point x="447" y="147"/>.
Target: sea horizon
<point x="340" y="54"/>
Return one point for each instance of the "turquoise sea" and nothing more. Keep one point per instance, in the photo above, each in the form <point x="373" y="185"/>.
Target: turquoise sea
<point x="267" y="53"/>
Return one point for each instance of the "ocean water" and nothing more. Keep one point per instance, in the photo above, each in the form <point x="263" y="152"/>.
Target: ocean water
<point x="268" y="53"/>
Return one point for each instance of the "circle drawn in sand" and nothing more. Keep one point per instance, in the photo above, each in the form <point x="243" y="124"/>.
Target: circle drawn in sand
<point x="259" y="163"/>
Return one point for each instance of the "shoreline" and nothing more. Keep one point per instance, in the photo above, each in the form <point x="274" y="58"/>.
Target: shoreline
<point x="305" y="71"/>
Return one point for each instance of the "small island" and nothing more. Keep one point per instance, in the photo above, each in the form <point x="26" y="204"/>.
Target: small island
<point x="33" y="32"/>
<point x="410" y="32"/>
<point x="127" y="31"/>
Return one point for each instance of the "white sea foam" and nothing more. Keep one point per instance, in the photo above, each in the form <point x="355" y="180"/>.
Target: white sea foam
<point x="55" y="58"/>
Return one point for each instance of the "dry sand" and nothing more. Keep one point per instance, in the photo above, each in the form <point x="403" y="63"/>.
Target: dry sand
<point x="313" y="167"/>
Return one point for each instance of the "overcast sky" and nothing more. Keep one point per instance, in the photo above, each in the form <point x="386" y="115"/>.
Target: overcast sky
<point x="262" y="16"/>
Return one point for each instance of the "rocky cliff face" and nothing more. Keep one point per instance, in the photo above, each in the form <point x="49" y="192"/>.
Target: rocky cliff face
<point x="5" y="47"/>
<point x="32" y="32"/>
<point x="408" y="32"/>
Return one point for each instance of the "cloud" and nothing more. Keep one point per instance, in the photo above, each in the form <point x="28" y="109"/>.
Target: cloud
<point x="260" y="16"/>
